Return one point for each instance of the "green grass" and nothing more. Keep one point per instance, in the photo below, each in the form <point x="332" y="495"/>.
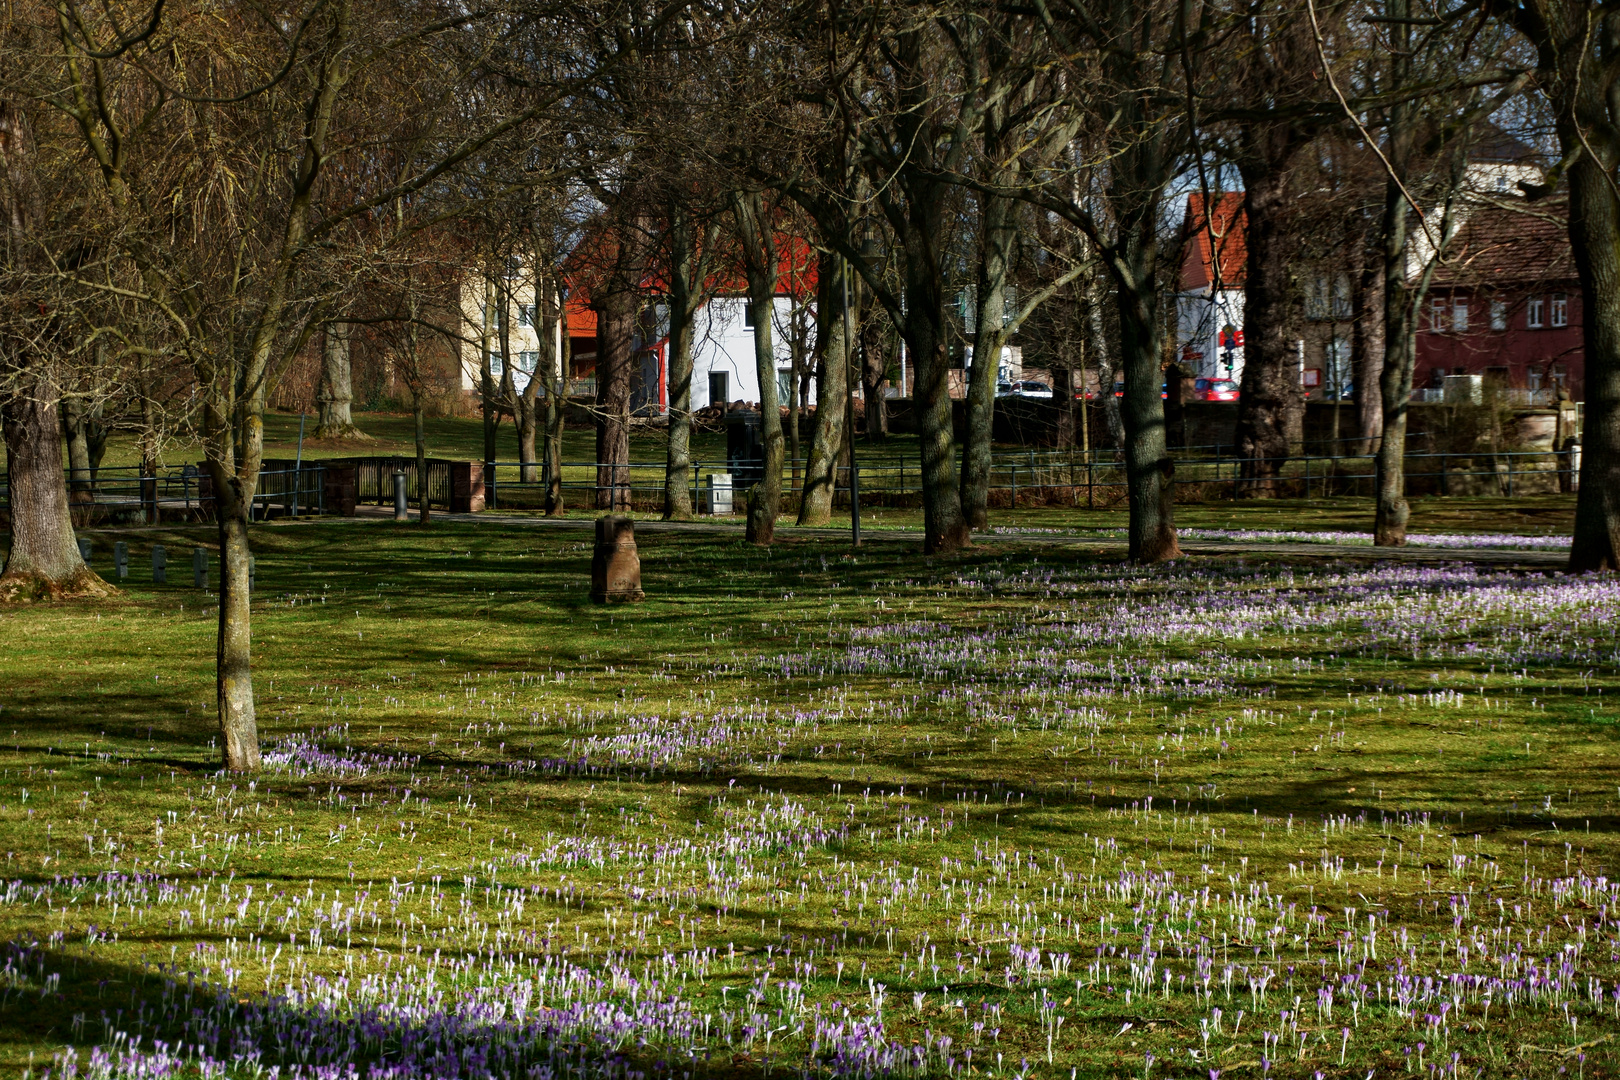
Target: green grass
<point x="985" y="785"/>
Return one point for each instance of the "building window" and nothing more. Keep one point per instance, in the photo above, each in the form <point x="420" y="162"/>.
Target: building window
<point x="1342" y="306"/>
<point x="784" y="385"/>
<point x="1560" y="310"/>
<point x="1535" y="313"/>
<point x="526" y="315"/>
<point x="527" y="361"/>
<point x="719" y="392"/>
<point x="1498" y="315"/>
<point x="748" y="314"/>
<point x="1316" y="304"/>
<point x="1459" y="316"/>
<point x="1437" y="315"/>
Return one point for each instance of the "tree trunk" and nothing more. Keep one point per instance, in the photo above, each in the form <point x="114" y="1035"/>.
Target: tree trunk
<point x="615" y="340"/>
<point x="423" y="490"/>
<point x="1395" y="383"/>
<point x="1097" y="343"/>
<point x="486" y="370"/>
<point x="1149" y="469"/>
<point x="1368" y="373"/>
<point x="335" y="397"/>
<point x="944" y="526"/>
<point x="678" y="457"/>
<point x="75" y="420"/>
<point x="833" y="336"/>
<point x="238" y="726"/>
<point x="1269" y="406"/>
<point x="527" y="424"/>
<point x="759" y="259"/>
<point x="1400" y="304"/>
<point x="416" y="382"/>
<point x="874" y="363"/>
<point x="558" y="362"/>
<point x="148" y="443"/>
<point x="44" y="561"/>
<point x="1594" y="230"/>
<point x="997" y="234"/>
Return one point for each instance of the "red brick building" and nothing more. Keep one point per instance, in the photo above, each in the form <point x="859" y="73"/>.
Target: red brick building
<point x="1506" y="304"/>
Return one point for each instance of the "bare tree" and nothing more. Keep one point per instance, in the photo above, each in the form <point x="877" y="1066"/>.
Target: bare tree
<point x="44" y="559"/>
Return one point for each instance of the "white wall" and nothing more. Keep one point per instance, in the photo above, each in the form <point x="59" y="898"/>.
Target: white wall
<point x="723" y="343"/>
<point x="1199" y="318"/>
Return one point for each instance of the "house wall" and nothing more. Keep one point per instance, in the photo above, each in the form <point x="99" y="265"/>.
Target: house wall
<point x="723" y="344"/>
<point x="1201" y="315"/>
<point x="523" y="337"/>
<point x="1521" y="355"/>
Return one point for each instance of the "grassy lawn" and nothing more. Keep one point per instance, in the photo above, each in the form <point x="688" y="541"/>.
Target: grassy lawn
<point x="1024" y="811"/>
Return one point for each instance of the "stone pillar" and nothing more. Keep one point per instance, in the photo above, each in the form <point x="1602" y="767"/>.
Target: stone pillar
<point x="466" y="487"/>
<point x="341" y="487"/>
<point x="615" y="567"/>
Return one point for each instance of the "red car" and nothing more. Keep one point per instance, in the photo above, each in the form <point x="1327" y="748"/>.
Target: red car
<point x="1215" y="390"/>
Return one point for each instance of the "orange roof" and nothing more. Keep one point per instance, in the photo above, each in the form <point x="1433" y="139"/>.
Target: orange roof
<point x="1225" y="232"/>
<point x="581" y="316"/>
<point x="592" y="259"/>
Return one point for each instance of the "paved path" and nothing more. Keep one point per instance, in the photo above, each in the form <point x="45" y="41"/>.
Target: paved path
<point x="584" y="521"/>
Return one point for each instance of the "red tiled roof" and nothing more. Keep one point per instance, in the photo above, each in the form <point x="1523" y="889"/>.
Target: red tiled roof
<point x="592" y="258"/>
<point x="1224" y="231"/>
<point x="1510" y="244"/>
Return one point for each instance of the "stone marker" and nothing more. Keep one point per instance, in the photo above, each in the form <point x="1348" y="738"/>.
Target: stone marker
<point x="199" y="567"/>
<point x="84" y="551"/>
<point x="121" y="560"/>
<point x="615" y="567"/>
<point x="160" y="565"/>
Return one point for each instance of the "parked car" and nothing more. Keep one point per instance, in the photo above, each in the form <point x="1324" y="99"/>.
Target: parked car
<point x="1215" y="390"/>
<point x="1004" y="389"/>
<point x="1032" y="388"/>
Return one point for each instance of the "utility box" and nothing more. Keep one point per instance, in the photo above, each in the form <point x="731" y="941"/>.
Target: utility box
<point x="717" y="494"/>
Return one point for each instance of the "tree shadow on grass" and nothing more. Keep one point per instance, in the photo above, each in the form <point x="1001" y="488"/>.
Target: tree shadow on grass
<point x="168" y="1021"/>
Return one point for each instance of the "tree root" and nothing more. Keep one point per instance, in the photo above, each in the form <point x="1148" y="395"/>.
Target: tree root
<point x="341" y="433"/>
<point x="25" y="588"/>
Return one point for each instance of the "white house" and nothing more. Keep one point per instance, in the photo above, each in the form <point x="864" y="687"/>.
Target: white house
<point x="723" y="365"/>
<point x="1209" y="303"/>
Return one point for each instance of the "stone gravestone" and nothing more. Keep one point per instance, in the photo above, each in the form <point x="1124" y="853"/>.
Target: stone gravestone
<point x="121" y="560"/>
<point x="160" y="565"/>
<point x="615" y="567"/>
<point x="199" y="567"/>
<point x="84" y="551"/>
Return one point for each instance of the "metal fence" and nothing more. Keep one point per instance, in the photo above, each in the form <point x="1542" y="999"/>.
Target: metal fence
<point x="374" y="479"/>
<point x="114" y="492"/>
<point x="1077" y="478"/>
